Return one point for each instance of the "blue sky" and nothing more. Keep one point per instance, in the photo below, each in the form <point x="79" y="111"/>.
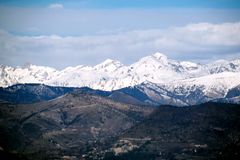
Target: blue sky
<point x="62" y="33"/>
<point x="127" y="3"/>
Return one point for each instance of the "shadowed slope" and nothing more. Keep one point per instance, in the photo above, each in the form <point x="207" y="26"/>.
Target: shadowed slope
<point x="70" y="125"/>
<point x="207" y="131"/>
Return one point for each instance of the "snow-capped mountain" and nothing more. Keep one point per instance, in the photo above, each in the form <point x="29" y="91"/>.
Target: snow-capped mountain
<point x="111" y="74"/>
<point x="25" y="74"/>
<point x="224" y="66"/>
<point x="189" y="91"/>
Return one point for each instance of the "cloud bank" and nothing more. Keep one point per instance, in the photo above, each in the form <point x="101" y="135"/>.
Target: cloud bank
<point x="199" y="42"/>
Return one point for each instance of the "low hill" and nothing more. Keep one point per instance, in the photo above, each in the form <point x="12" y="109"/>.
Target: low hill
<point x="206" y="131"/>
<point x="70" y="125"/>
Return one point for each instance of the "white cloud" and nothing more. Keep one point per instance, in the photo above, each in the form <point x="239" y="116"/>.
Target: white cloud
<point x="211" y="34"/>
<point x="202" y="41"/>
<point x="55" y="6"/>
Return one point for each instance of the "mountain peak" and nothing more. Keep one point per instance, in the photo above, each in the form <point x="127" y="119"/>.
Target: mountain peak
<point x="109" y="65"/>
<point x="107" y="61"/>
<point x="159" y="56"/>
<point x="110" y="61"/>
<point x="27" y="65"/>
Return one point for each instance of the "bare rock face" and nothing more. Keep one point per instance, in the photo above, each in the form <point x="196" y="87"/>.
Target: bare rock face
<point x="68" y="126"/>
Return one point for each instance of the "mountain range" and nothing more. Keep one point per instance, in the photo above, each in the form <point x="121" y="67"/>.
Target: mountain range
<point x="112" y="75"/>
<point x="153" y="80"/>
<point x="222" y="88"/>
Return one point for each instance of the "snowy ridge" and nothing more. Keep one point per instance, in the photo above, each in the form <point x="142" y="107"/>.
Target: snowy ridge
<point x="26" y="74"/>
<point x="111" y="74"/>
<point x="191" y="91"/>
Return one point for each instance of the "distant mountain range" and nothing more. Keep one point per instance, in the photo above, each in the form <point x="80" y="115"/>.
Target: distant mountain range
<point x="153" y="80"/>
<point x="217" y="88"/>
<point x="112" y="75"/>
